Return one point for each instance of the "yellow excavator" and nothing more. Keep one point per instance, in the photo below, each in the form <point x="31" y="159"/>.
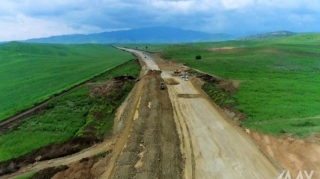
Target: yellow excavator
<point x="177" y="71"/>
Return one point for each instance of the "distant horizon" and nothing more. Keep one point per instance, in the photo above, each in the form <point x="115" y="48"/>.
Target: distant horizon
<point x="153" y="27"/>
<point x="24" y="19"/>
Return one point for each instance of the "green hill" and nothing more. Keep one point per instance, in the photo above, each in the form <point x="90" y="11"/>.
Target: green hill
<point x="278" y="78"/>
<point x="305" y="38"/>
<point x="269" y="35"/>
<point x="142" y="35"/>
<point x="31" y="73"/>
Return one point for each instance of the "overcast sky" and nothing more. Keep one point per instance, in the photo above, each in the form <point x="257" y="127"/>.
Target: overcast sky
<point x="24" y="19"/>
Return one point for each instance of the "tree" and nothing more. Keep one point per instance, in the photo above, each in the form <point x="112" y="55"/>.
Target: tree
<point x="198" y="57"/>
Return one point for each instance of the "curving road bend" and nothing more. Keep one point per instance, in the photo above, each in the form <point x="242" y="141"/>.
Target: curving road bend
<point x="212" y="147"/>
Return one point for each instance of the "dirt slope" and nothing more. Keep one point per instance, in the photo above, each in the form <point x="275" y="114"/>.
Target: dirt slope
<point x="212" y="147"/>
<point x="106" y="146"/>
<point x="291" y="153"/>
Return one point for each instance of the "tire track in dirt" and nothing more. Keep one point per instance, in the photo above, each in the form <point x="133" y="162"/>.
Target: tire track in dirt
<point x="186" y="138"/>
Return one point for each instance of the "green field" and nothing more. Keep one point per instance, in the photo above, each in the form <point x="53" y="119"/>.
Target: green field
<point x="31" y="73"/>
<point x="279" y="78"/>
<point x="67" y="117"/>
<point x="26" y="176"/>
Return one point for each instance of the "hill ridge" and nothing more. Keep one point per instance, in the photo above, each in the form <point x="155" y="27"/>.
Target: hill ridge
<point x="160" y="34"/>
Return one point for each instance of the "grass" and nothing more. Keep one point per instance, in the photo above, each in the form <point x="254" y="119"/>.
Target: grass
<point x="66" y="117"/>
<point x="31" y="73"/>
<point x="26" y="176"/>
<point x="219" y="96"/>
<point x="279" y="79"/>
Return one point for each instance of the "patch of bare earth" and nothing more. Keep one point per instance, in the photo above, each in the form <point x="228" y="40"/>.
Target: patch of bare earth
<point x="222" y="48"/>
<point x="86" y="168"/>
<point x="48" y="173"/>
<point x="295" y="155"/>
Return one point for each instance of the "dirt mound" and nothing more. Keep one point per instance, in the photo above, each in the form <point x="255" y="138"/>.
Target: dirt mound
<point x="108" y="87"/>
<point x="171" y="81"/>
<point x="48" y="173"/>
<point x="83" y="169"/>
<point x="154" y="72"/>
<point x="124" y="78"/>
<point x="226" y="85"/>
<point x="209" y="79"/>
<point x="46" y="153"/>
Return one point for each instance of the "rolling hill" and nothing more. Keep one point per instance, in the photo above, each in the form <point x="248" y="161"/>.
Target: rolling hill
<point x="142" y="35"/>
<point x="268" y="35"/>
<point x="32" y="73"/>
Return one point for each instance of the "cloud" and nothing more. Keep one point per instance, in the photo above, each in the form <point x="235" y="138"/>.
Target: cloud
<point x="232" y="4"/>
<point x="22" y="19"/>
<point x="22" y="27"/>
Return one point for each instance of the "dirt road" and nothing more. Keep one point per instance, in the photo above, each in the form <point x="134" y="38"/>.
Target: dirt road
<point x="105" y="146"/>
<point x="152" y="147"/>
<point x="212" y="147"/>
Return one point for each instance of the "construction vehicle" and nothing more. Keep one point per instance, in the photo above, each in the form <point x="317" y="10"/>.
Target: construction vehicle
<point x="177" y="71"/>
<point x="162" y="87"/>
<point x="186" y="78"/>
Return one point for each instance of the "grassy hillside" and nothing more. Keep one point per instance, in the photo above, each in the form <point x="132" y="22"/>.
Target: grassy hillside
<point x="269" y="35"/>
<point x="279" y="79"/>
<point x="31" y="73"/>
<point x="68" y="116"/>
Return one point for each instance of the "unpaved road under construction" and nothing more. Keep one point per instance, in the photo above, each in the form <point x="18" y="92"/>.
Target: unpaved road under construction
<point x="168" y="134"/>
<point x="211" y="146"/>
